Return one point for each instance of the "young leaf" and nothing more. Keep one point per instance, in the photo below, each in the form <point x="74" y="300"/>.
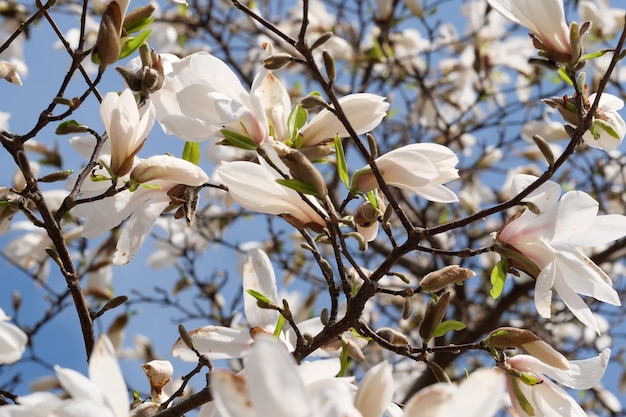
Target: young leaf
<point x="139" y="24"/>
<point x="446" y="326"/>
<point x="134" y="43"/>
<point x="343" y="358"/>
<point x="191" y="152"/>
<point x="70" y="126"/>
<point x="279" y="325"/>
<point x="342" y="167"/>
<point x="498" y="278"/>
<point x="238" y="140"/>
<point x="297" y="118"/>
<point x="260" y="297"/>
<point x="300" y="186"/>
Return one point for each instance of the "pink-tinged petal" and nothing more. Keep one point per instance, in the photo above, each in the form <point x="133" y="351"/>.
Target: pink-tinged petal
<point x="137" y="229"/>
<point x="575" y="304"/>
<point x="278" y="390"/>
<point x="375" y="391"/>
<point x="231" y="395"/>
<point x="258" y="275"/>
<point x="216" y="342"/>
<point x="364" y="111"/>
<point x="543" y="290"/>
<point x="104" y="371"/>
<point x="169" y="168"/>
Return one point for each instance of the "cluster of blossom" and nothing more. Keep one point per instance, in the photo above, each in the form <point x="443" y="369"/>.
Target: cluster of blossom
<point x="199" y="98"/>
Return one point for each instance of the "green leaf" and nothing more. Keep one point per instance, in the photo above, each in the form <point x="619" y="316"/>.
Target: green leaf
<point x="300" y="186"/>
<point x="191" y="152"/>
<point x="594" y="55"/>
<point x="279" y="326"/>
<point x="70" y="126"/>
<point x="521" y="398"/>
<point x="343" y="359"/>
<point x="139" y="24"/>
<point x="607" y="127"/>
<point x="563" y="76"/>
<point x="297" y="118"/>
<point x="446" y="326"/>
<point x="238" y="140"/>
<point x="342" y="166"/>
<point x="498" y="278"/>
<point x="260" y="297"/>
<point x="132" y="44"/>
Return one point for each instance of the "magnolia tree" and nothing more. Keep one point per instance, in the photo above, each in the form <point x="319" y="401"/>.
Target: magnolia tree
<point x="390" y="208"/>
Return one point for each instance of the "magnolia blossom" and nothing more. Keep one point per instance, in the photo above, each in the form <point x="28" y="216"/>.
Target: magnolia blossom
<point x="202" y="95"/>
<point x="103" y="394"/>
<point x="12" y="340"/>
<point x="478" y="395"/>
<point x="364" y="111"/>
<point x="254" y="187"/>
<point x="163" y="175"/>
<point x="545" y="398"/>
<point x="611" y="136"/>
<point x="274" y="385"/>
<point x="545" y="19"/>
<point x="218" y="342"/>
<point x="126" y="127"/>
<point x="551" y="240"/>
<point x="422" y="168"/>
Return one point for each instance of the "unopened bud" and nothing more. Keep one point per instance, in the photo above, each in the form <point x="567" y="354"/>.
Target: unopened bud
<point x="354" y="351"/>
<point x="511" y="337"/>
<point x="435" y="311"/>
<point x="108" y="45"/>
<point x="329" y="65"/>
<point x="302" y="169"/>
<point x="140" y="13"/>
<point x="57" y="176"/>
<point x="321" y="40"/>
<point x="407" y="308"/>
<point x="544" y="148"/>
<point x="366" y="214"/>
<point x="393" y="336"/>
<point x="159" y="373"/>
<point x="185" y="337"/>
<point x="450" y="274"/>
<point x="275" y="62"/>
<point x="313" y="102"/>
<point x="8" y="71"/>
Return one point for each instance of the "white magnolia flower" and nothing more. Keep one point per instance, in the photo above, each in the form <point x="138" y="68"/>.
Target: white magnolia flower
<point x="254" y="187"/>
<point x="202" y="95"/>
<point x="551" y="241"/>
<point x="610" y="137"/>
<point x="545" y="19"/>
<point x="421" y="168"/>
<point x="274" y="386"/>
<point x="126" y="127"/>
<point x="12" y="340"/>
<point x="163" y="175"/>
<point x="103" y="394"/>
<point x="545" y="398"/>
<point x="218" y="342"/>
<point x="478" y="395"/>
<point x="364" y="111"/>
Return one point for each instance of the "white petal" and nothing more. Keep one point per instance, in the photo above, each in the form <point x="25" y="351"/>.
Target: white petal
<point x="104" y="371"/>
<point x="230" y="394"/>
<point x="12" y="342"/>
<point x="258" y="275"/>
<point x="430" y="401"/>
<point x="79" y="386"/>
<point x="278" y="390"/>
<point x="576" y="304"/>
<point x="543" y="290"/>
<point x="375" y="391"/>
<point x="582" y="374"/>
<point x="138" y="228"/>
<point x="480" y="395"/>
<point x="216" y="342"/>
<point x="575" y="214"/>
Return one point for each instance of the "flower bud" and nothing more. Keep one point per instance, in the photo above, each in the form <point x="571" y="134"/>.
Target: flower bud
<point x="393" y="336"/>
<point x="450" y="274"/>
<point x="275" y="62"/>
<point x="8" y="71"/>
<point x="511" y="337"/>
<point x="435" y="311"/>
<point x="169" y="168"/>
<point x="159" y="373"/>
<point x="302" y="169"/>
<point x="108" y="45"/>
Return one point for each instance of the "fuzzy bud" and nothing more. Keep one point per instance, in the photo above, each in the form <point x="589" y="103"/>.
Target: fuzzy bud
<point x="511" y="337"/>
<point x="435" y="311"/>
<point x="108" y="45"/>
<point x="450" y="274"/>
<point x="302" y="169"/>
<point x="393" y="336"/>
